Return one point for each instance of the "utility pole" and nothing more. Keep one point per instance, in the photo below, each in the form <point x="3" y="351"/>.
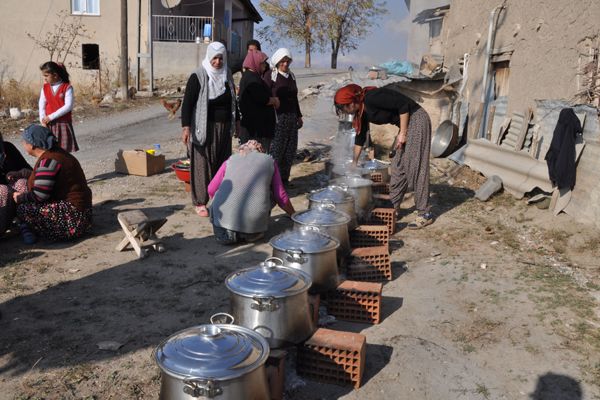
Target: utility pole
<point x="124" y="79"/>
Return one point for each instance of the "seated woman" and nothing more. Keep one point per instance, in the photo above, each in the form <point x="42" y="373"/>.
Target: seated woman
<point x="14" y="171"/>
<point x="242" y="193"/>
<point x="58" y="205"/>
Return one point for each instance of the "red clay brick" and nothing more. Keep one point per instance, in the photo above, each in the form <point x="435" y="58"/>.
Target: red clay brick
<point x="381" y="188"/>
<point x="356" y="301"/>
<point x="384" y="216"/>
<point x="370" y="236"/>
<point x="333" y="357"/>
<point x="370" y="264"/>
<point x="275" y="367"/>
<point x="377" y="177"/>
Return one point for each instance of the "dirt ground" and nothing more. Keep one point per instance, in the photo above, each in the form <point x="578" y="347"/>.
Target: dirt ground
<point x="495" y="300"/>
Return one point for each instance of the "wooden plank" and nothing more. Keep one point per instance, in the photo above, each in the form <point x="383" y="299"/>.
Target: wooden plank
<point x="523" y="132"/>
<point x="488" y="131"/>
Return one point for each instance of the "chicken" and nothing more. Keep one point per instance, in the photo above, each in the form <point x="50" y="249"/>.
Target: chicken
<point x="171" y="106"/>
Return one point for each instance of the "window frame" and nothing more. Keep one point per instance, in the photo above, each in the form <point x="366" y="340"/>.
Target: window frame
<point x="85" y="13"/>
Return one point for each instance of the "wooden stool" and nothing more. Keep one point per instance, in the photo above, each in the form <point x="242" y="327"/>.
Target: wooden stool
<point x="140" y="232"/>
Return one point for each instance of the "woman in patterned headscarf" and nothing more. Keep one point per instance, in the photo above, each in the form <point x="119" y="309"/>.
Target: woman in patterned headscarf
<point x="209" y="120"/>
<point x="410" y="165"/>
<point x="242" y="192"/>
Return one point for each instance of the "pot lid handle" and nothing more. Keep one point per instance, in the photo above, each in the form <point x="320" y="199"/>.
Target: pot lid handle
<point x="310" y="228"/>
<point x="213" y="318"/>
<point x="327" y="204"/>
<point x="273" y="262"/>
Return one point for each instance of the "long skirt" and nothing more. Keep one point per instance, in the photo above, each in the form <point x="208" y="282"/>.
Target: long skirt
<point x="65" y="134"/>
<point x="285" y="143"/>
<point x="410" y="166"/>
<point x="206" y="160"/>
<point x="58" y="220"/>
<point x="7" y="205"/>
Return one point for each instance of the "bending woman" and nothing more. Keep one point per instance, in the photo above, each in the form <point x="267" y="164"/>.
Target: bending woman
<point x="242" y="192"/>
<point x="410" y="165"/>
<point x="58" y="204"/>
<point x="208" y="118"/>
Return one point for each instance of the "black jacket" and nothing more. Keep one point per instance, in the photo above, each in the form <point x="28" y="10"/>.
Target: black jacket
<point x="561" y="155"/>
<point x="14" y="161"/>
<point x="257" y="117"/>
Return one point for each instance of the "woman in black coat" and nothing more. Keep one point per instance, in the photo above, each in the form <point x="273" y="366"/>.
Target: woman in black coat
<point x="257" y="106"/>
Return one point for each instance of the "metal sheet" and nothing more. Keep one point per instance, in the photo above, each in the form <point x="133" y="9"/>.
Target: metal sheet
<point x="585" y="200"/>
<point x="520" y="173"/>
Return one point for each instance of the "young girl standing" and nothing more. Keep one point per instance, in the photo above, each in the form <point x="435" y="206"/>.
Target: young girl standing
<point x="56" y="103"/>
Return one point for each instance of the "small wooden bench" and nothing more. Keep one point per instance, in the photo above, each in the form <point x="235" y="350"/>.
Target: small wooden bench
<point x="140" y="232"/>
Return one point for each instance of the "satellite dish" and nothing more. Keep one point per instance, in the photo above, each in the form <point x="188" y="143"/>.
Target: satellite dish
<point x="170" y="3"/>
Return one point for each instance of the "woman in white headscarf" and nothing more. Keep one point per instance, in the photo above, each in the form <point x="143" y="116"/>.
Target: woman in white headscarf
<point x="209" y="119"/>
<point x="282" y="83"/>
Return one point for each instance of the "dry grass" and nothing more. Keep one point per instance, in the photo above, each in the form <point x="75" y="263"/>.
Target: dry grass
<point x="16" y="94"/>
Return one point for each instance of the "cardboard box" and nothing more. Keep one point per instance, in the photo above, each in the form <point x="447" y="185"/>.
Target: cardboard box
<point x="138" y="162"/>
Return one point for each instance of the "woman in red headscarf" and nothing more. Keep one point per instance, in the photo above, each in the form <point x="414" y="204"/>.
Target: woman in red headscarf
<point x="257" y="105"/>
<point x="410" y="164"/>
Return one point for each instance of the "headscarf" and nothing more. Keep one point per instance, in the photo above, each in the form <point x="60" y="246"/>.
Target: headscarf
<point x="279" y="55"/>
<point x="39" y="136"/>
<point x="250" y="146"/>
<point x="216" y="77"/>
<point x="253" y="60"/>
<point x="353" y="93"/>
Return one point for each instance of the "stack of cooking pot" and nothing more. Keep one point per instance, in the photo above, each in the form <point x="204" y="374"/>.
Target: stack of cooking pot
<point x="309" y="250"/>
<point x="337" y="196"/>
<point x="329" y="221"/>
<point x="270" y="306"/>
<point x="361" y="190"/>
<point x="272" y="299"/>
<point x="207" y="361"/>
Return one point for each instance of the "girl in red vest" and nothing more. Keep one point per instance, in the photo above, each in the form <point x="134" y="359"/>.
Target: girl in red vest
<point x="56" y="103"/>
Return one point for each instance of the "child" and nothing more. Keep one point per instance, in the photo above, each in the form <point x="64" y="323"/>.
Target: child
<point x="56" y="103"/>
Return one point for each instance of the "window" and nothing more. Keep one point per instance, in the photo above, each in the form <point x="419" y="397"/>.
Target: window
<point x="85" y="7"/>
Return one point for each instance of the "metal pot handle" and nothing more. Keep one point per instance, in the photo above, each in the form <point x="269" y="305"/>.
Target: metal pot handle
<point x="296" y="256"/>
<point x="202" y="388"/>
<point x="222" y="314"/>
<point x="275" y="260"/>
<point x="327" y="205"/>
<point x="268" y="303"/>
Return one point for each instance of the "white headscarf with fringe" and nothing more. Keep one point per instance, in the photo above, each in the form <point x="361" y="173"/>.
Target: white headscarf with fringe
<point x="279" y="55"/>
<point x="216" y="77"/>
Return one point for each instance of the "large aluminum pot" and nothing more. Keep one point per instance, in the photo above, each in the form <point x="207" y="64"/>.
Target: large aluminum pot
<point x="213" y="361"/>
<point x="377" y="166"/>
<point x="272" y="300"/>
<point x="361" y="190"/>
<point x="329" y="221"/>
<point x="312" y="252"/>
<point x="339" y="197"/>
<point x="348" y="169"/>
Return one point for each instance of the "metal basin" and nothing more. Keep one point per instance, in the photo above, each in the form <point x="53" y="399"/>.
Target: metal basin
<point x="444" y="139"/>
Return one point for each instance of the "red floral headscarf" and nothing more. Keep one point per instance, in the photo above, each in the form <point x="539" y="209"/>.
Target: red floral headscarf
<point x="353" y="93"/>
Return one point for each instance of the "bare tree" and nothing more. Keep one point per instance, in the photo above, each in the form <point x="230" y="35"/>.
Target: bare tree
<point x="342" y="23"/>
<point x="292" y="20"/>
<point x="62" y="40"/>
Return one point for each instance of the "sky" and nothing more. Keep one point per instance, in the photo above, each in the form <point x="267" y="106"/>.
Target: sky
<point x="386" y="41"/>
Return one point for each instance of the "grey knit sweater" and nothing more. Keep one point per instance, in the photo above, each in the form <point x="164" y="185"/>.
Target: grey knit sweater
<point x="243" y="201"/>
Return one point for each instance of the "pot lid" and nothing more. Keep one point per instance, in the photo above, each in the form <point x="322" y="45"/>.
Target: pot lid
<point x="352" y="181"/>
<point x="374" y="164"/>
<point x="331" y="193"/>
<point x="270" y="278"/>
<point x="307" y="240"/>
<point x="321" y="216"/>
<point x="219" y="352"/>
